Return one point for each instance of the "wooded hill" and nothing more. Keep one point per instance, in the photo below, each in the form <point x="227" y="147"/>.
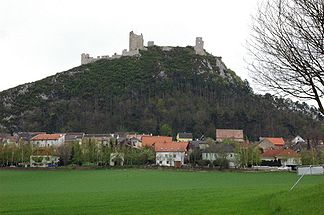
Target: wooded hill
<point x="160" y="92"/>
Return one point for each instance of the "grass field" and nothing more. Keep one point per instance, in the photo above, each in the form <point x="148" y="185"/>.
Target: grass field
<point x="157" y="192"/>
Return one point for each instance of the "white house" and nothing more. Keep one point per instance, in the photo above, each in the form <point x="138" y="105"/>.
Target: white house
<point x="46" y="140"/>
<point x="219" y="150"/>
<point x="298" y="139"/>
<point x="171" y="153"/>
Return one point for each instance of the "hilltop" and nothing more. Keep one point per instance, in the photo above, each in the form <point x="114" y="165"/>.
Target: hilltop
<point x="160" y="92"/>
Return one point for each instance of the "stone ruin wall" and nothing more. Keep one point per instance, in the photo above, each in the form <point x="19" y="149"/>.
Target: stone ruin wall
<point x="136" y="43"/>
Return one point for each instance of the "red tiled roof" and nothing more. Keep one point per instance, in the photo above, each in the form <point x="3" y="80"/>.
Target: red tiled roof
<point x="229" y="134"/>
<point x="278" y="141"/>
<point x="171" y="147"/>
<point x="151" y="140"/>
<point x="47" y="137"/>
<point x="270" y="153"/>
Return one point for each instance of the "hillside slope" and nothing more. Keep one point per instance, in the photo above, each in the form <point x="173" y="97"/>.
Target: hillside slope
<point x="161" y="92"/>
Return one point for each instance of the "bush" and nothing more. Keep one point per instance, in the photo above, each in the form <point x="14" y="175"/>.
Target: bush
<point x="203" y="163"/>
<point x="222" y="163"/>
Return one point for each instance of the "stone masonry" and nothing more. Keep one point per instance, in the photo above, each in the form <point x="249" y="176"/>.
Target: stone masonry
<point x="136" y="43"/>
<point x="199" y="47"/>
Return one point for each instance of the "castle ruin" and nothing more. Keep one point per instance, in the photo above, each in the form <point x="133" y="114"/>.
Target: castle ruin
<point x="199" y="47"/>
<point x="136" y="43"/>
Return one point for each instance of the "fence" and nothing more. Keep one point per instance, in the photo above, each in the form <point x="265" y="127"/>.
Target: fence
<point x="310" y="170"/>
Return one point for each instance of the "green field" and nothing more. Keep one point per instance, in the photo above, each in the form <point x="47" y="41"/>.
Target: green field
<point x="157" y="192"/>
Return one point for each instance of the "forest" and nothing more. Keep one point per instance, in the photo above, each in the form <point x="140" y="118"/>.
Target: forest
<point x="160" y="92"/>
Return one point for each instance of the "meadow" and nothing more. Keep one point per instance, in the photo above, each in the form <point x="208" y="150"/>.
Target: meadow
<point x="138" y="191"/>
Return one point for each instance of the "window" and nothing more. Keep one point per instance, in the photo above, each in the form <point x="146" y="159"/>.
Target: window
<point x="174" y="156"/>
<point x="160" y="162"/>
<point x="167" y="162"/>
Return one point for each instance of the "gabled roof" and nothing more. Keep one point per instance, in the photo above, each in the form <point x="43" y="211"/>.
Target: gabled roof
<point x="47" y="137"/>
<point x="229" y="134"/>
<point x="271" y="153"/>
<point x="278" y="141"/>
<point x="298" y="139"/>
<point x="185" y="135"/>
<point x="151" y="140"/>
<point x="171" y="147"/>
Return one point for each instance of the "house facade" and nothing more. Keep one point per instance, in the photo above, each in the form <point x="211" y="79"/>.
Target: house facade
<point x="219" y="150"/>
<point x="171" y="153"/>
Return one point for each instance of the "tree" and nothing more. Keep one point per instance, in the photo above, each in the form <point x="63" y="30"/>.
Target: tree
<point x="166" y="130"/>
<point x="76" y="153"/>
<point x="247" y="156"/>
<point x="287" y="48"/>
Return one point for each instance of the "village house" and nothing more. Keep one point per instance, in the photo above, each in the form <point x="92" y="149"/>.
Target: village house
<point x="26" y="136"/>
<point x="117" y="159"/>
<point x="150" y="141"/>
<point x="280" y="157"/>
<point x="297" y="144"/>
<point x="8" y="139"/>
<point x="46" y="140"/>
<point x="219" y="150"/>
<point x="198" y="145"/>
<point x="135" y="142"/>
<point x="74" y="137"/>
<point x="271" y="143"/>
<point x="99" y="138"/>
<point x="171" y="153"/>
<point x="184" y="137"/>
<point x="229" y="134"/>
<point x="44" y="161"/>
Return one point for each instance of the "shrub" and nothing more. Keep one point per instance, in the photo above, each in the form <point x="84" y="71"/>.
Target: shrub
<point x="203" y="163"/>
<point x="222" y="163"/>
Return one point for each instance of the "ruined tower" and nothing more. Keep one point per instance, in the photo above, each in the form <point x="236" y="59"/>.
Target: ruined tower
<point x="199" y="47"/>
<point x="136" y="42"/>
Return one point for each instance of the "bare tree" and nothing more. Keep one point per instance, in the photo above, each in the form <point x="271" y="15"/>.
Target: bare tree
<point x="287" y="48"/>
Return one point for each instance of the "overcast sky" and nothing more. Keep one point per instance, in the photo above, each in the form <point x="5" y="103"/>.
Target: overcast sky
<point x="39" y="38"/>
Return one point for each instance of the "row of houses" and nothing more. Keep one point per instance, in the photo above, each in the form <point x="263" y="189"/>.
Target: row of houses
<point x="175" y="152"/>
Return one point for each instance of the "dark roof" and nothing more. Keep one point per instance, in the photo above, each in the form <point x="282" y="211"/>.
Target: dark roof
<point x="73" y="136"/>
<point x="185" y="135"/>
<point x="96" y="135"/>
<point x="195" y="143"/>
